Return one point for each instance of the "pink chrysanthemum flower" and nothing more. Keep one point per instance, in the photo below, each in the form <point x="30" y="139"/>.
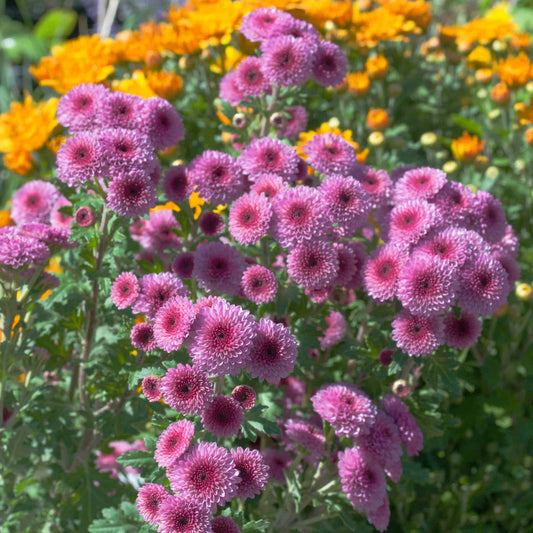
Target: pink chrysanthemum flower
<point x="183" y="265"/>
<point x="151" y="386"/>
<point x="483" y="285"/>
<point x="411" y="220"/>
<point x="158" y="233"/>
<point x="58" y="219"/>
<point x="452" y="245"/>
<point x="33" y="202"/>
<point x="176" y="184"/>
<point x="381" y="516"/>
<point x="508" y="244"/>
<point x="318" y="296"/>
<point x="173" y="442"/>
<point x="206" y="474"/>
<point x="216" y="177"/>
<point x="313" y="264"/>
<point x="253" y="472"/>
<point x="330" y="64"/>
<point x="223" y="416"/>
<point x="298" y="215"/>
<point x="131" y="194"/>
<point x="245" y="395"/>
<point x="249" y="77"/>
<point x="273" y="353"/>
<point x="426" y="285"/>
<point x="249" y="218"/>
<point x="362" y="479"/>
<point x="297" y="28"/>
<point x="207" y="301"/>
<point x="349" y="410"/>
<point x="330" y="154"/>
<point x="48" y="234"/>
<point x="417" y="335"/>
<point x="296" y="122"/>
<point x="173" y="322"/>
<point x="126" y="150"/>
<point x="410" y="433"/>
<point x="125" y="290"/>
<point x="453" y="202"/>
<point x="259" y="284"/>
<point x="84" y="216"/>
<point x="258" y="25"/>
<point x="305" y="434"/>
<point x="285" y="60"/>
<point x="376" y="183"/>
<point x="419" y="184"/>
<point x="336" y="330"/>
<point x="488" y="216"/>
<point x="162" y="123"/>
<point x="511" y="267"/>
<point x="268" y="185"/>
<point x="347" y="264"/>
<point x="186" y="389"/>
<point x="78" y="109"/>
<point x="277" y="461"/>
<point x="344" y="201"/>
<point x="178" y="514"/>
<point x="212" y="224"/>
<point x="221" y="338"/>
<point x="121" y="110"/>
<point x="149" y="499"/>
<point x="156" y="290"/>
<point x="229" y="91"/>
<point x="142" y="336"/>
<point x="224" y="524"/>
<point x="361" y="258"/>
<point x="268" y="156"/>
<point x="219" y="267"/>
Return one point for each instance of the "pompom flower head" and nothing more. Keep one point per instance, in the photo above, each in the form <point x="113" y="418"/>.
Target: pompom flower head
<point x="149" y="499"/>
<point x="176" y="183"/>
<point x="121" y="110"/>
<point x="131" y="194"/>
<point x="33" y="202"/>
<point x="330" y="64"/>
<point x="173" y="442"/>
<point x="224" y="524"/>
<point x="419" y="184"/>
<point x="382" y="272"/>
<point x="259" y="284"/>
<point x="417" y="335"/>
<point x="156" y="290"/>
<point x="79" y="109"/>
<point x="162" y="123"/>
<point x="173" y="322"/>
<point x="211" y="224"/>
<point x="336" y="330"/>
<point x="249" y="218"/>
<point x="330" y="154"/>
<point x="296" y="122"/>
<point x="245" y="395"/>
<point x="142" y="336"/>
<point x="376" y="183"/>
<point x="152" y="388"/>
<point x="126" y="150"/>
<point x="125" y="290"/>
<point x="257" y="25"/>
<point x="411" y="220"/>
<point x="313" y="264"/>
<point x="488" y="216"/>
<point x="223" y="416"/>
<point x="178" y="514"/>
<point x="249" y="77"/>
<point x="253" y="472"/>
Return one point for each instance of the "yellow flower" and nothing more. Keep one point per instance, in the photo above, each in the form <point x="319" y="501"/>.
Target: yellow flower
<point x="377" y="119"/>
<point x="164" y="84"/>
<point x="87" y="59"/>
<point x="515" y="71"/>
<point x="528" y="135"/>
<point x="137" y="84"/>
<point x="54" y="144"/>
<point x="27" y="125"/>
<point x="377" y="67"/>
<point x="467" y="147"/>
<point x="483" y="75"/>
<point x="169" y="205"/>
<point x="524" y="112"/>
<point x="479" y="57"/>
<point x="231" y="58"/>
<point x="358" y="83"/>
<point x="19" y="162"/>
<point x="376" y="138"/>
<point x="54" y="265"/>
<point x="139" y="45"/>
<point x="196" y="202"/>
<point x="523" y="291"/>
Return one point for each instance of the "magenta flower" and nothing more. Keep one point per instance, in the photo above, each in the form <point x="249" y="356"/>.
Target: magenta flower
<point x="249" y="218"/>
<point x="259" y="284"/>
<point x="33" y="202"/>
<point x="176" y="183"/>
<point x="173" y="322"/>
<point x="419" y="184"/>
<point x="60" y="220"/>
<point x="293" y="27"/>
<point x="178" y="514"/>
<point x="125" y="150"/>
<point x="488" y="216"/>
<point x="417" y="335"/>
<point x="173" y="442"/>
<point x="224" y="524"/>
<point x="162" y="123"/>
<point x="131" y="194"/>
<point x="330" y="154"/>
<point x="253" y="472"/>
<point x="330" y="65"/>
<point x="229" y="90"/>
<point x="381" y="516"/>
<point x="258" y="25"/>
<point x="183" y="265"/>
<point x="120" y="110"/>
<point x="212" y="224"/>
<point x="249" y="77"/>
<point x="125" y="290"/>
<point x="307" y="435"/>
<point x="296" y="122"/>
<point x="277" y="461"/>
<point x="84" y="216"/>
<point x="18" y="249"/>
<point x="411" y="220"/>
<point x="223" y="416"/>
<point x="347" y="264"/>
<point x="245" y="395"/>
<point x="79" y="108"/>
<point x="336" y="330"/>
<point x="158" y="233"/>
<point x="149" y="499"/>
<point x="376" y="183"/>
<point x="142" y="336"/>
<point x="453" y="202"/>
<point x="268" y="184"/>
<point x="313" y="264"/>
<point x="156" y="290"/>
<point x="151" y="386"/>
<point x="452" y="245"/>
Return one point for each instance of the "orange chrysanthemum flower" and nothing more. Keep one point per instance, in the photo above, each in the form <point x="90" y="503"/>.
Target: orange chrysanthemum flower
<point x="165" y="84"/>
<point x="528" y="134"/>
<point x="524" y="112"/>
<point x="500" y="94"/>
<point x="377" y="119"/>
<point x="377" y="67"/>
<point x="515" y="71"/>
<point x="467" y="147"/>
<point x="19" y="162"/>
<point x="479" y="57"/>
<point x="358" y="83"/>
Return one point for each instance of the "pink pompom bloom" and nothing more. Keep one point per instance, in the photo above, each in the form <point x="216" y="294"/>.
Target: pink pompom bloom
<point x="268" y="156"/>
<point x="417" y="335"/>
<point x="249" y="218"/>
<point x="508" y="244"/>
<point x="245" y="395"/>
<point x="84" y="216"/>
<point x="347" y="264"/>
<point x="173" y="442"/>
<point x="58" y="219"/>
<point x="296" y="123"/>
<point x="253" y="472"/>
<point x="156" y="290"/>
<point x="488" y="216"/>
<point x="152" y="388"/>
<point x="173" y="322"/>
<point x="257" y="25"/>
<point x="268" y="184"/>
<point x="330" y="64"/>
<point x="79" y="108"/>
<point x="298" y="215"/>
<point x="259" y="284"/>
<point x="297" y="28"/>
<point x="206" y="474"/>
<point x="249" y="77"/>
<point x="307" y="435"/>
<point x="453" y="202"/>
<point x="33" y="202"/>
<point x="277" y="461"/>
<point x="224" y="524"/>
<point x="410" y="433"/>
<point x="149" y="500"/>
<point x="451" y="245"/>
<point x="131" y="194"/>
<point x="228" y="89"/>
<point x="223" y="416"/>
<point x="361" y="259"/>
<point x="120" y="110"/>
<point x="176" y="184"/>
<point x="419" y="184"/>
<point x="142" y="336"/>
<point x="18" y="249"/>
<point x="183" y="265"/>
<point x="48" y="234"/>
<point x="126" y="150"/>
<point x="330" y="154"/>
<point x="349" y="410"/>
<point x="216" y="177"/>
<point x="158" y="233"/>
<point x="219" y="267"/>
<point x="125" y="290"/>
<point x="178" y="514"/>
<point x="335" y="332"/>
<point x="273" y="352"/>
<point x="461" y="332"/>
<point x="221" y="338"/>
<point x="186" y="389"/>
<point x="318" y="296"/>
<point x="313" y="264"/>
<point x="381" y="516"/>
<point x="411" y="220"/>
<point x="426" y="285"/>
<point x="362" y="479"/>
<point x="162" y="123"/>
<point x="212" y="224"/>
<point x="376" y="183"/>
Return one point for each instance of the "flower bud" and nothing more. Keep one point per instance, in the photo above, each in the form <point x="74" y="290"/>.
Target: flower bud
<point x="500" y="94"/>
<point x="492" y="173"/>
<point x="428" y="139"/>
<point x="153" y="59"/>
<point x="493" y="114"/>
<point x="519" y="165"/>
<point x="84" y="216"/>
<point x="401" y="388"/>
<point x="523" y="291"/>
<point x="239" y="120"/>
<point x="385" y="357"/>
<point x="334" y="122"/>
<point x="376" y="138"/>
<point x="278" y="121"/>
<point x="482" y="94"/>
<point x="449" y="167"/>
<point x="377" y="119"/>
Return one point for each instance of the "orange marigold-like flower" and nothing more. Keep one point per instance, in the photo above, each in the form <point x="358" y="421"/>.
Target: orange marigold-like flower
<point x="479" y="57"/>
<point x="137" y="85"/>
<point x="484" y="75"/>
<point x="377" y="119"/>
<point x="377" y="67"/>
<point x="416" y="11"/>
<point x="19" y="162"/>
<point x="137" y="45"/>
<point x="54" y="144"/>
<point x="528" y="134"/>
<point x="5" y="218"/>
<point x="358" y="83"/>
<point x="164" y="84"/>
<point x="467" y="147"/>
<point x="520" y="41"/>
<point x="372" y="27"/>
<point x="515" y="71"/>
<point x="27" y="125"/>
<point x="500" y="94"/>
<point x="319" y="12"/>
<point x="87" y="59"/>
<point x="524" y="112"/>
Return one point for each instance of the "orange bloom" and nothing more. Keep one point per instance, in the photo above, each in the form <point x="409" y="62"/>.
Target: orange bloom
<point x="358" y="83"/>
<point x="467" y="147"/>
<point x="524" y="112"/>
<point x="137" y="84"/>
<point x="5" y="219"/>
<point x="515" y="71"/>
<point x="165" y="84"/>
<point x="54" y="144"/>
<point x="529" y="136"/>
<point x="484" y="75"/>
<point x="479" y="57"/>
<point x="500" y="94"/>
<point x="377" y="67"/>
<point x="377" y="119"/>
<point x="520" y="41"/>
<point x="19" y="162"/>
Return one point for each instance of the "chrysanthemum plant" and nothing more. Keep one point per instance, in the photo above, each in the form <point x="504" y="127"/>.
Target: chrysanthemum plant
<point x="280" y="352"/>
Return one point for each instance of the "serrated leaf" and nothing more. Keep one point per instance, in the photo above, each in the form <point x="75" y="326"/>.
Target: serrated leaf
<point x="137" y="459"/>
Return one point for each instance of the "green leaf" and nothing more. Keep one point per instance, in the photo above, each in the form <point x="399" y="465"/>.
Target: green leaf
<point x="467" y="124"/>
<point x="134" y="378"/>
<point x="56" y="24"/>
<point x="137" y="458"/>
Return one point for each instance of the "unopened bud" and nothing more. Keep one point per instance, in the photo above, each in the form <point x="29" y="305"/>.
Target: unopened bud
<point x="492" y="173"/>
<point x="401" y="388"/>
<point x="523" y="291"/>
<point x="239" y="120"/>
<point x="84" y="216"/>
<point x="450" y="167"/>
<point x="278" y="121"/>
<point x="428" y="139"/>
<point x="519" y="165"/>
<point x="376" y="138"/>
